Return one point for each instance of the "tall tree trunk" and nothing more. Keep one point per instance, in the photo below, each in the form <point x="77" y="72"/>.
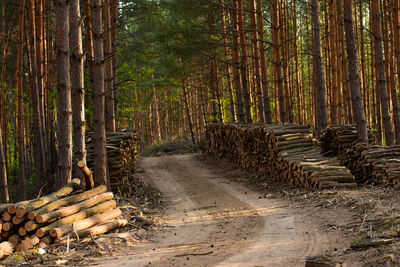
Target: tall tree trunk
<point x="256" y="58"/>
<point x="40" y="71"/>
<point x="240" y="113"/>
<point x="354" y="77"/>
<point x="109" y="90"/>
<point x="99" y="131"/>
<point x="396" y="46"/>
<point x="77" y="86"/>
<point x="64" y="93"/>
<point x="228" y="67"/>
<point x="263" y="62"/>
<point x="156" y="114"/>
<point x="333" y="62"/>
<point x="244" y="61"/>
<point x="321" y="110"/>
<point x="3" y="173"/>
<point x="277" y="60"/>
<point x="114" y="42"/>
<point x="19" y="84"/>
<point x="186" y="102"/>
<point x="380" y="69"/>
<point x="37" y="122"/>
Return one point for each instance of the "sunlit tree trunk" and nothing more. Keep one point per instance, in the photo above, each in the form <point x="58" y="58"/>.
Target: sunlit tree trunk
<point x="77" y="85"/>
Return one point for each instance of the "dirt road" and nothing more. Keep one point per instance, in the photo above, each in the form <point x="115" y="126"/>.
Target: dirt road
<point x="212" y="221"/>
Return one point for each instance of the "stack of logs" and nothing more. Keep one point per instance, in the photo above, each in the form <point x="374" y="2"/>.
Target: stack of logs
<point x="374" y="164"/>
<point x="55" y="216"/>
<point x="283" y="152"/>
<point x="122" y="155"/>
<point x="336" y="139"/>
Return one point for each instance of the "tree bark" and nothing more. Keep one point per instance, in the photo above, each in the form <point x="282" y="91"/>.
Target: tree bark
<point x="3" y="172"/>
<point x="396" y="35"/>
<point x="240" y="113"/>
<point x="114" y="36"/>
<point x="263" y="62"/>
<point x="78" y="86"/>
<point x="99" y="130"/>
<point x="380" y="70"/>
<point x="37" y="122"/>
<point x="277" y="60"/>
<point x="19" y="84"/>
<point x="244" y="61"/>
<point x="354" y="77"/>
<point x="320" y="109"/>
<point x="64" y="92"/>
<point x="109" y="90"/>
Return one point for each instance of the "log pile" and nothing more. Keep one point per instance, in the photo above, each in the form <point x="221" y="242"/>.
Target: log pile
<point x="122" y="155"/>
<point x="375" y="165"/>
<point x="51" y="218"/>
<point x="283" y="152"/>
<point x="336" y="139"/>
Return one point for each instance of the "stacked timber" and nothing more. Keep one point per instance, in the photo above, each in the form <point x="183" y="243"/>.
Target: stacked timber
<point x="53" y="217"/>
<point x="122" y="155"/>
<point x="377" y="165"/>
<point x="282" y="152"/>
<point x="336" y="139"/>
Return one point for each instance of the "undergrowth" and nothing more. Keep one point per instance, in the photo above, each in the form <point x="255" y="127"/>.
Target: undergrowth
<point x="178" y="146"/>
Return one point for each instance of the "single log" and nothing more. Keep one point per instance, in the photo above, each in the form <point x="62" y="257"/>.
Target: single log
<point x="14" y="239"/>
<point x="22" y="231"/>
<point x="69" y="210"/>
<point x="67" y="201"/>
<point x="103" y="228"/>
<point x="86" y="223"/>
<point x="32" y="226"/>
<point x="323" y="262"/>
<point x="47" y="240"/>
<point x="66" y="190"/>
<point x="371" y="243"/>
<point x="18" y="220"/>
<point x="87" y="173"/>
<point x="8" y="226"/>
<point x="6" y="216"/>
<point x="6" y="249"/>
<point x="77" y="217"/>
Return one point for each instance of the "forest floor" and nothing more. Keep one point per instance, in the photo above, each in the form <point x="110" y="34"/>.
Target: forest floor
<point x="218" y="215"/>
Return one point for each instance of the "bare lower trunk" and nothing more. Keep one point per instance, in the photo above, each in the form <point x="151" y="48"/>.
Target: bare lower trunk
<point x="77" y="86"/>
<point x="380" y="70"/>
<point x="64" y="93"/>
<point x="263" y="62"/>
<point x="19" y="85"/>
<point x="99" y="130"/>
<point x="3" y="172"/>
<point x="37" y="122"/>
<point x="109" y="90"/>
<point x="354" y="77"/>
<point x="321" y="109"/>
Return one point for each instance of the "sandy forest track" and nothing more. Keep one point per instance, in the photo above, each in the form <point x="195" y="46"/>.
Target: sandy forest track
<point x="212" y="221"/>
